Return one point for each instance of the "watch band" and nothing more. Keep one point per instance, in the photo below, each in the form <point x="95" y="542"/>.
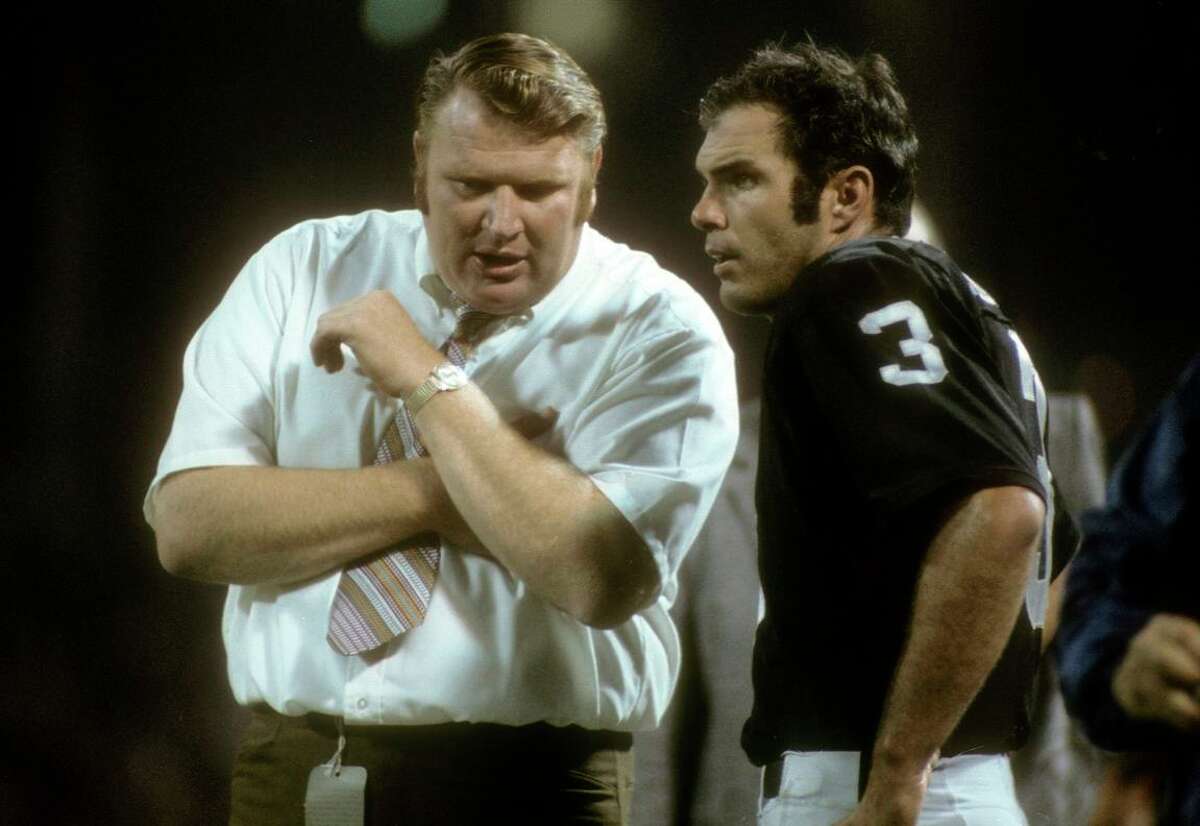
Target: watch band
<point x="446" y="376"/>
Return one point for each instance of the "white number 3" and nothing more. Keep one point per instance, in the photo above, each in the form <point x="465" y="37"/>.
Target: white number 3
<point x="919" y="345"/>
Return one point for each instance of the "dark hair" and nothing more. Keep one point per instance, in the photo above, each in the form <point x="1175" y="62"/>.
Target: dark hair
<point x="835" y="113"/>
<point x="531" y="81"/>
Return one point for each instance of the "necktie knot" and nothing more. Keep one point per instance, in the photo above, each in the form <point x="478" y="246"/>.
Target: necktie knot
<point x="470" y="324"/>
<point x="467" y="333"/>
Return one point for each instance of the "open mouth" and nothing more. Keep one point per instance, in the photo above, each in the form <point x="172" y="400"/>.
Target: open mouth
<point x="722" y="261"/>
<point x="499" y="263"/>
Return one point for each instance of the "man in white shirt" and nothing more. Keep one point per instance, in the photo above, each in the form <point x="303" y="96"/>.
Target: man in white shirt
<point x="574" y="446"/>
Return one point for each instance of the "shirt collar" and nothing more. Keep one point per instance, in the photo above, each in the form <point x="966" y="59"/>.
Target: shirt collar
<point x="426" y="270"/>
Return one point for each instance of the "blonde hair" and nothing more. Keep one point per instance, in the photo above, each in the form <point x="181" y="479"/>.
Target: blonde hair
<point x="530" y="81"/>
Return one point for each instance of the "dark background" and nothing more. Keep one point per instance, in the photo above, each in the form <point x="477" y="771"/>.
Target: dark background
<point x="156" y="146"/>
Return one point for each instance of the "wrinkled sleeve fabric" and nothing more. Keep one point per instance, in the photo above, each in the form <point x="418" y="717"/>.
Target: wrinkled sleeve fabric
<point x="658" y="433"/>
<point x="226" y="410"/>
<point x="1137" y="551"/>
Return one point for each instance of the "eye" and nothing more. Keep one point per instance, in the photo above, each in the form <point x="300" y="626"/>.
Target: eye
<point x="469" y="187"/>
<point x="744" y="180"/>
<point x="537" y="192"/>
<point x="737" y="180"/>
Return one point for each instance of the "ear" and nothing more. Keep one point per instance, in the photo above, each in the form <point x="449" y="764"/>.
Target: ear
<point x="586" y="204"/>
<point x="597" y="162"/>
<point x="853" y="198"/>
<point x="420" y="197"/>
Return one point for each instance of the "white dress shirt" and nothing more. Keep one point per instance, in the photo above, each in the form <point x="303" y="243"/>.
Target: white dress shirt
<point x="641" y="376"/>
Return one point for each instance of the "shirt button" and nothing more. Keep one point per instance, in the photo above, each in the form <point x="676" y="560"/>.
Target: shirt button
<point x="362" y="703"/>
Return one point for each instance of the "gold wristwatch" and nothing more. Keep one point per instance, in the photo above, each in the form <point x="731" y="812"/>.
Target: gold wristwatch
<point x="446" y="376"/>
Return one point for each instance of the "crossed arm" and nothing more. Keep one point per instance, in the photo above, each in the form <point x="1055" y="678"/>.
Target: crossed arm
<point x="271" y="525"/>
<point x="534" y="513"/>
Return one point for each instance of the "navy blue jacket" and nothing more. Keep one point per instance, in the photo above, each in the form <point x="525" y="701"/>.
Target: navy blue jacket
<point x="1139" y="557"/>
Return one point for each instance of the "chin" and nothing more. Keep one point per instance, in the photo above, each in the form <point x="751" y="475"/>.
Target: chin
<point x="736" y="298"/>
<point x="501" y="299"/>
<point x="491" y="304"/>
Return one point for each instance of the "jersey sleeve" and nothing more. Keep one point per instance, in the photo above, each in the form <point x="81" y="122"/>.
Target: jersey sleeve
<point x="921" y="390"/>
<point x="226" y="410"/>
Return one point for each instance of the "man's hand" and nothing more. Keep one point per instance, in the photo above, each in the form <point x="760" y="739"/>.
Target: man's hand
<point x="1159" y="678"/>
<point x="892" y="798"/>
<point x="443" y="518"/>
<point x="389" y="348"/>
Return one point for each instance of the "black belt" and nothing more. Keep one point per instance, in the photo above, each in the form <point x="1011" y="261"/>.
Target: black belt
<point x="773" y="775"/>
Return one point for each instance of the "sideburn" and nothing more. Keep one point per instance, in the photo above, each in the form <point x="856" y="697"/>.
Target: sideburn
<point x="585" y="206"/>
<point x="806" y="200"/>
<point x="420" y="194"/>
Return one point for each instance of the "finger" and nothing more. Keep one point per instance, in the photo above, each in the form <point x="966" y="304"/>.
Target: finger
<point x="329" y="342"/>
<point x="1143" y="693"/>
<point x="328" y="355"/>
<point x="1135" y="689"/>
<point x="1186" y="631"/>
<point x="348" y="356"/>
<point x="1182" y="710"/>
<point x="326" y="350"/>
<point x="334" y="326"/>
<point x="1174" y="663"/>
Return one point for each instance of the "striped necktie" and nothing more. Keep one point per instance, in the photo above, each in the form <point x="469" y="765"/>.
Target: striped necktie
<point x="389" y="593"/>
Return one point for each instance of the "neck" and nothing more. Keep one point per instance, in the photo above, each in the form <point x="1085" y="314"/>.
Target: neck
<point x="859" y="228"/>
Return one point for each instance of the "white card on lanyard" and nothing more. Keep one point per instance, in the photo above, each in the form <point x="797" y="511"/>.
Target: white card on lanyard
<point x="336" y="794"/>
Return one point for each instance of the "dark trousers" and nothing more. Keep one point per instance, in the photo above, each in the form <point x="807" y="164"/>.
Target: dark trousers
<point x="444" y="774"/>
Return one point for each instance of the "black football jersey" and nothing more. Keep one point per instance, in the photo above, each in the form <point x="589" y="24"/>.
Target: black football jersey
<point x="893" y="388"/>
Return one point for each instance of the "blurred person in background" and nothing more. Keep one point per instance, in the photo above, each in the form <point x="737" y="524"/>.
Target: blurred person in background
<point x="1129" y="647"/>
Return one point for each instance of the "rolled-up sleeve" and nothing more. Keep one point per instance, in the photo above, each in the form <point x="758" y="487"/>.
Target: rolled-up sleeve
<point x="226" y="410"/>
<point x="658" y="434"/>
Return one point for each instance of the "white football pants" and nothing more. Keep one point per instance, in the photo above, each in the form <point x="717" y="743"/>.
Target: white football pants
<point x="820" y="787"/>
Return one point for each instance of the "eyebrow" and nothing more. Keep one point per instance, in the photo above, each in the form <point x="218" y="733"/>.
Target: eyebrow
<point x="730" y="167"/>
<point x="544" y="180"/>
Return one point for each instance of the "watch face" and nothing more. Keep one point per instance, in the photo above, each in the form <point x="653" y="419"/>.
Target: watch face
<point x="449" y="376"/>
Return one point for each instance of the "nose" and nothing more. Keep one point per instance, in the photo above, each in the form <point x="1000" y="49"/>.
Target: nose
<point x="503" y="217"/>
<point x="707" y="214"/>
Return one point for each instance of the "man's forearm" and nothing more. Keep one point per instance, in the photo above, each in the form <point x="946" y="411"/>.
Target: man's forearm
<point x="543" y="519"/>
<point x="968" y="595"/>
<point x="284" y="525"/>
